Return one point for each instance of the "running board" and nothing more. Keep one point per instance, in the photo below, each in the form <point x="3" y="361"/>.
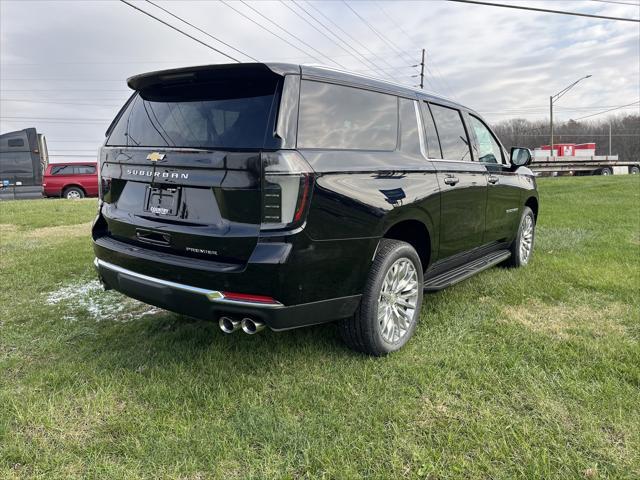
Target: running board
<point x="463" y="272"/>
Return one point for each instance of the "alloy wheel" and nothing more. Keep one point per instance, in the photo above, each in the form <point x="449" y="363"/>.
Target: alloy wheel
<point x="398" y="300"/>
<point x="526" y="239"/>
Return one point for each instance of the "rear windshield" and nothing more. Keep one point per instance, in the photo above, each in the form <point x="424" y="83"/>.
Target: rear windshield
<point x="212" y="115"/>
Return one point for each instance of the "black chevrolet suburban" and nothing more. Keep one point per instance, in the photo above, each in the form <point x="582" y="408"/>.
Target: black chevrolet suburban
<point x="284" y="195"/>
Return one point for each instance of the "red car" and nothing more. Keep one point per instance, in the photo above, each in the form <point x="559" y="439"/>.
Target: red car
<point x="71" y="180"/>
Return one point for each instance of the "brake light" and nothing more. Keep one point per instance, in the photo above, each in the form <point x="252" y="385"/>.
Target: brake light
<point x="245" y="297"/>
<point x="104" y="183"/>
<point x="286" y="190"/>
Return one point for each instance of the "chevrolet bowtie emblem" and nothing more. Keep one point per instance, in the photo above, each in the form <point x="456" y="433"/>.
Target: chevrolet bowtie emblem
<point x="155" y="156"/>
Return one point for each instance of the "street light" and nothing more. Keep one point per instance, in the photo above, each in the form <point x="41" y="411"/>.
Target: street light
<point x="555" y="98"/>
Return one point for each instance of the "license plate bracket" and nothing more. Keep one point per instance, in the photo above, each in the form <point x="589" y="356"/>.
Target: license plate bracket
<point x="162" y="201"/>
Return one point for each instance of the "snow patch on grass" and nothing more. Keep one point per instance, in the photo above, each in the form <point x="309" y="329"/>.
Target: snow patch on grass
<point x="89" y="299"/>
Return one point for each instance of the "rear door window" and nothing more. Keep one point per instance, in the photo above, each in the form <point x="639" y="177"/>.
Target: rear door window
<point x="433" y="144"/>
<point x="451" y="132"/>
<point x="62" y="170"/>
<point x="346" y="118"/>
<point x="213" y="115"/>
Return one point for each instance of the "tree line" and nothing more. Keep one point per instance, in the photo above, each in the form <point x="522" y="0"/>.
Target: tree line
<point x="625" y="134"/>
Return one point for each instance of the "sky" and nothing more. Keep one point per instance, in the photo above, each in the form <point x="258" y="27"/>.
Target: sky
<point x="64" y="64"/>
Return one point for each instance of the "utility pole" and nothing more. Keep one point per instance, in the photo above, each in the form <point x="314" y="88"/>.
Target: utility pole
<point x="551" y="120"/>
<point x="422" y="71"/>
<point x="554" y="98"/>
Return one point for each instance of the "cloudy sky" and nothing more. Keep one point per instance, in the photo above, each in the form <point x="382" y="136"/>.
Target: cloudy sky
<point x="64" y="63"/>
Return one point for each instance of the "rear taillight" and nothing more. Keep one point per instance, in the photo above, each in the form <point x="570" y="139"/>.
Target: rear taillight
<point x="104" y="183"/>
<point x="249" y="298"/>
<point x="286" y="190"/>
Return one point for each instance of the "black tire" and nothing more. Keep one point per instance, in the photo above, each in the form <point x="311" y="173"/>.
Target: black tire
<point x="634" y="170"/>
<point x="606" y="171"/>
<point x="516" y="259"/>
<point x="73" y="193"/>
<point x="363" y="332"/>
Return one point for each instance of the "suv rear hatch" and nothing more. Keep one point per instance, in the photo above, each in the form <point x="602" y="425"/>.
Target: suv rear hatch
<point x="181" y="170"/>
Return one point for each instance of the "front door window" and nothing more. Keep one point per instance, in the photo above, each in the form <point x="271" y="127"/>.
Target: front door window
<point x="488" y="149"/>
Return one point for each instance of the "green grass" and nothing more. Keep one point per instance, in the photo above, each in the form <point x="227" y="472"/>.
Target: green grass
<point x="530" y="373"/>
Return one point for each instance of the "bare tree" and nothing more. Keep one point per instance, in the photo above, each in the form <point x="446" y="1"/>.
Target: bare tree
<point x="625" y="134"/>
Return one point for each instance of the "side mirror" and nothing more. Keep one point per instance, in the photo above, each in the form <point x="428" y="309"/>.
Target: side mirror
<point x="520" y="156"/>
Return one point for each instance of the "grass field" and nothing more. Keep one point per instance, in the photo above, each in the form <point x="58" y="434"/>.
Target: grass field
<point x="531" y="373"/>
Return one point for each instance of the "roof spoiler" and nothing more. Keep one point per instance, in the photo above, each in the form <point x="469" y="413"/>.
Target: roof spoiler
<point x="204" y="73"/>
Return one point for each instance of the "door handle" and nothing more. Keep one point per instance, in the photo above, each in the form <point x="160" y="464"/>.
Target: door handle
<point x="451" y="180"/>
<point x="493" y="179"/>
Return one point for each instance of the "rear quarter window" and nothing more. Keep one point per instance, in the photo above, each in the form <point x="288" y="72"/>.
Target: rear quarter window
<point x="346" y="118"/>
<point x="85" y="169"/>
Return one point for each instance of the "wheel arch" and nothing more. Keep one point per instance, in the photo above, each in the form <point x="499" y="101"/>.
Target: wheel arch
<point x="532" y="203"/>
<point x="64" y="189"/>
<point x="415" y="233"/>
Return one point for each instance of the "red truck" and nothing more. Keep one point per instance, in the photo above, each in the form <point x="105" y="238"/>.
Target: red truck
<point x="71" y="180"/>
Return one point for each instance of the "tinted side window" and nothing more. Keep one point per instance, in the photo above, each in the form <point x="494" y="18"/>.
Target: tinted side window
<point x="16" y="142"/>
<point x="453" y="136"/>
<point x="85" y="169"/>
<point x="432" y="134"/>
<point x="489" y="150"/>
<point x="339" y="117"/>
<point x="409" y="136"/>
<point x="62" y="170"/>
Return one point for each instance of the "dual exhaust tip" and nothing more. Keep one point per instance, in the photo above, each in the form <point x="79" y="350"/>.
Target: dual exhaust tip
<point x="248" y="325"/>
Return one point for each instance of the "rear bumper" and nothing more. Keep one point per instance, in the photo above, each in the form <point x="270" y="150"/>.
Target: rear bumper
<point x="210" y="304"/>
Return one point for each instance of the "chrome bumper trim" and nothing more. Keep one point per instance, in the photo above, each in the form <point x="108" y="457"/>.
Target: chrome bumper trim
<point x="211" y="295"/>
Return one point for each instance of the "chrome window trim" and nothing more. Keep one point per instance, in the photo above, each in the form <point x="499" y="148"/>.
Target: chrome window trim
<point x="416" y="107"/>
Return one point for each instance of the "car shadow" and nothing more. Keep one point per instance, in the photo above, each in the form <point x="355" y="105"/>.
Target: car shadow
<point x="166" y="338"/>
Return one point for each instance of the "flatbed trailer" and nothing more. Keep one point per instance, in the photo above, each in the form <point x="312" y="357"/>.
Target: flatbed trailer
<point x="596" y="165"/>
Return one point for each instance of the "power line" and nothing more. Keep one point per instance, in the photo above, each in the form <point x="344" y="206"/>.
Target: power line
<point x="276" y="35"/>
<point x="617" y="2"/>
<point x="395" y="23"/>
<point x="352" y="38"/>
<point x="288" y="32"/>
<point x="180" y="31"/>
<point x="546" y="110"/>
<point x="357" y="55"/>
<point x="609" y="110"/>
<point x="58" y="79"/>
<point x="59" y="118"/>
<point x="319" y="31"/>
<point x="381" y="36"/>
<point x="147" y="61"/>
<point x="545" y="10"/>
<point x="202" y="31"/>
<point x="584" y="134"/>
<point x="374" y="30"/>
<point x="60" y="103"/>
<point x="65" y="90"/>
